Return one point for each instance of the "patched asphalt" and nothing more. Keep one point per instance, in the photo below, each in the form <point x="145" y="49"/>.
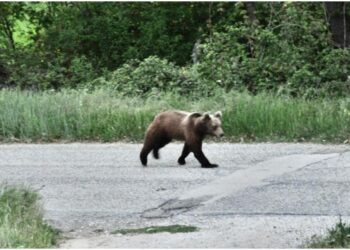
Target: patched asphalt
<point x="262" y="195"/>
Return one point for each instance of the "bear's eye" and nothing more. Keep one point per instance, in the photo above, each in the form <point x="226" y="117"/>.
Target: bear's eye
<point x="215" y="127"/>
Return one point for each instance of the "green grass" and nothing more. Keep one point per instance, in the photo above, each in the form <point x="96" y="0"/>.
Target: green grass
<point x="158" y="229"/>
<point x="337" y="237"/>
<point x="102" y="116"/>
<point x="21" y="221"/>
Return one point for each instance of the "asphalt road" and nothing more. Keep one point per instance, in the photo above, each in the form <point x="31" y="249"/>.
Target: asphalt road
<point x="262" y="195"/>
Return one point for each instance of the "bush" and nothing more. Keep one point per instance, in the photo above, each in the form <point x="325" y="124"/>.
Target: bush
<point x="148" y="77"/>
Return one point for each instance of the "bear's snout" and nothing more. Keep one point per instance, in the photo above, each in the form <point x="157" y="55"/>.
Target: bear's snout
<point x="218" y="133"/>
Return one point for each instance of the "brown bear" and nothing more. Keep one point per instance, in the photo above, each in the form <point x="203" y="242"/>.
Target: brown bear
<point x="179" y="125"/>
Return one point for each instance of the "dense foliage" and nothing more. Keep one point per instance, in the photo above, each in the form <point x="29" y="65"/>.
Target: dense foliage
<point x="144" y="48"/>
<point x="289" y="54"/>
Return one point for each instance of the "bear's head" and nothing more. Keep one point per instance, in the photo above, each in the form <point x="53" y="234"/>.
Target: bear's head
<point x="211" y="124"/>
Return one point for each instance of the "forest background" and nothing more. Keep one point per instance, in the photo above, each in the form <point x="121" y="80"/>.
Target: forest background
<point x="101" y="71"/>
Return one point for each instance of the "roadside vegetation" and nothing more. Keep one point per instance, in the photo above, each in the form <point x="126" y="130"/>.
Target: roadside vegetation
<point x="21" y="221"/>
<point x="76" y="115"/>
<point x="337" y="237"/>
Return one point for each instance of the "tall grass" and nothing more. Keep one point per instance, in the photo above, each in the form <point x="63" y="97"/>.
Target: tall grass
<point x="102" y="116"/>
<point x="21" y="222"/>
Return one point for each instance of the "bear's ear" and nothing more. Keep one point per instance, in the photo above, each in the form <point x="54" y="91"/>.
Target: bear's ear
<point x="195" y="115"/>
<point x="206" y="116"/>
<point x="218" y="114"/>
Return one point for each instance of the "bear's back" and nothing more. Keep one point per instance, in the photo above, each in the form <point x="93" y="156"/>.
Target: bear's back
<point x="172" y="123"/>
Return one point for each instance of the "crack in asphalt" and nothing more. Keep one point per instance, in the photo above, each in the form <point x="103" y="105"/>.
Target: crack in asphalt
<point x="173" y="207"/>
<point x="265" y="214"/>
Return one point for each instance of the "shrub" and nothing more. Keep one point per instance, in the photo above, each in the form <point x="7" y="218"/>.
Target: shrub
<point x="148" y="77"/>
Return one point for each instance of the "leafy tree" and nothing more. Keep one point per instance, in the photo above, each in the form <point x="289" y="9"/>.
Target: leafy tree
<point x="9" y="13"/>
<point x="109" y="34"/>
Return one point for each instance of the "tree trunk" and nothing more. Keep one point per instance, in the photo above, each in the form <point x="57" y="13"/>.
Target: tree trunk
<point x="8" y="32"/>
<point x="250" y="7"/>
<point x="4" y="76"/>
<point x="339" y="23"/>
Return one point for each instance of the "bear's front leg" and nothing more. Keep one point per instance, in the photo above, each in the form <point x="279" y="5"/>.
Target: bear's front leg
<point x="185" y="152"/>
<point x="203" y="160"/>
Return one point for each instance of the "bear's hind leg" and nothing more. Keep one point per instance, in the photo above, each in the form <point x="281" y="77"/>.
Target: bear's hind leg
<point x="144" y="153"/>
<point x="162" y="142"/>
<point x="147" y="148"/>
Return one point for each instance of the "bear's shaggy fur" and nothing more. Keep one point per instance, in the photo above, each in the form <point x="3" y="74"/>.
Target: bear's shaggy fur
<point x="179" y="125"/>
